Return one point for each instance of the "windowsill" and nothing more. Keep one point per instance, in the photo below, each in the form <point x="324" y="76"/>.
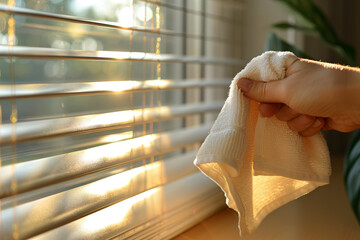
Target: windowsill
<point x="323" y="214"/>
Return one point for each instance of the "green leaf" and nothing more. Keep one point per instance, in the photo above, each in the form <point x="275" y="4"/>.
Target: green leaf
<point x="286" y="25"/>
<point x="312" y="21"/>
<point x="274" y="43"/>
<point x="303" y="16"/>
<point x="352" y="173"/>
<point x="324" y="25"/>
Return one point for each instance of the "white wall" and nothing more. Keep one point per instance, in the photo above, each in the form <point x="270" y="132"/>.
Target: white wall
<point x="258" y="15"/>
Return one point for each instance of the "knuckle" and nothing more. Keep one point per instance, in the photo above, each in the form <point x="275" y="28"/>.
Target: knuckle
<point x="264" y="89"/>
<point x="292" y="127"/>
<point x="261" y="89"/>
<point x="308" y="133"/>
<point x="281" y="116"/>
<point x="283" y="92"/>
<point x="286" y="114"/>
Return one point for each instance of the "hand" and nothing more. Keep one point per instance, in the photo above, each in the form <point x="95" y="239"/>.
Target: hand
<point x="312" y="96"/>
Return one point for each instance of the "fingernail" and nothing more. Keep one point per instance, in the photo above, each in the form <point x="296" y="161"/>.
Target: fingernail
<point x="317" y="123"/>
<point x="245" y="84"/>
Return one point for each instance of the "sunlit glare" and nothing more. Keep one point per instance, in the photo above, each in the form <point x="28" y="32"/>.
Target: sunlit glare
<point x="116" y="86"/>
<point x="126" y="12"/>
<point x="117" y="137"/>
<point x="11" y="30"/>
<point x="114" y="117"/>
<point x="157" y="83"/>
<point x="137" y="55"/>
<point x="125" y="16"/>
<point x="4" y="39"/>
<point x="143" y="12"/>
<point x="76" y="30"/>
<point x="159" y="111"/>
<point x="114" y="214"/>
<point x="120" y="180"/>
<point x="121" y="55"/>
<point x="100" y="7"/>
<point x="117" y="149"/>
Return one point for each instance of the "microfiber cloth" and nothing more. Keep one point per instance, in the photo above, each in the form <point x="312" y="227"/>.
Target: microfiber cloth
<point x="260" y="163"/>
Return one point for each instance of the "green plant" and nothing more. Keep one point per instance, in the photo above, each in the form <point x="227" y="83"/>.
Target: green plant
<point x="352" y="173"/>
<point x="311" y="21"/>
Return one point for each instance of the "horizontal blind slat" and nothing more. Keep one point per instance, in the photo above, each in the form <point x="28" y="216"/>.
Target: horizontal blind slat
<point x="8" y="91"/>
<point x="236" y="4"/>
<point x="107" y="24"/>
<point x="74" y="19"/>
<point x="176" y="221"/>
<point x="52" y="53"/>
<point x="93" y="196"/>
<point x="138" y="210"/>
<point x="50" y="170"/>
<point x="39" y="129"/>
<point x="46" y="28"/>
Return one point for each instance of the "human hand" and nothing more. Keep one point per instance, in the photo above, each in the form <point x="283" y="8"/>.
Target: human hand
<point x="312" y="96"/>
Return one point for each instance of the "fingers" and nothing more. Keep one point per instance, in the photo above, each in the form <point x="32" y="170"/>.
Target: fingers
<point x="306" y="126"/>
<point x="271" y="95"/>
<point x="316" y="127"/>
<point x="269" y="109"/>
<point x="268" y="92"/>
<point x="301" y="123"/>
<point x="286" y="114"/>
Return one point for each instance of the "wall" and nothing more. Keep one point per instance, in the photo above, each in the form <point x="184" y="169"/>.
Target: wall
<point x="258" y="15"/>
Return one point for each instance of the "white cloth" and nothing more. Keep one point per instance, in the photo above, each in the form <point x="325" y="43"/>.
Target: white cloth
<point x="258" y="162"/>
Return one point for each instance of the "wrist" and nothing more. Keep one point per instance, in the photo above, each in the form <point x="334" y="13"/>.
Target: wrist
<point x="350" y="93"/>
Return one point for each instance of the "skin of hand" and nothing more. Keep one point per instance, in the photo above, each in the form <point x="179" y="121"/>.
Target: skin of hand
<point x="313" y="96"/>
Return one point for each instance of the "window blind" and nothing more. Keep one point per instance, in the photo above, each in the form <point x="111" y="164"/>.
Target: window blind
<point x="103" y="105"/>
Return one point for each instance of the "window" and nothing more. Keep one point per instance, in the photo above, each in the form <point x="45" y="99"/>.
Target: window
<point x="103" y="106"/>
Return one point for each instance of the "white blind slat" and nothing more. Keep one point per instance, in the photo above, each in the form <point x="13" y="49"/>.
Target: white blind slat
<point x="74" y="19"/>
<point x="105" y="24"/>
<point x="102" y="109"/>
<point x="106" y="87"/>
<point x="136" y="210"/>
<point x="83" y="200"/>
<point x="34" y="174"/>
<point x="29" y="130"/>
<point x="51" y="53"/>
<point x="211" y="16"/>
<point x="176" y="221"/>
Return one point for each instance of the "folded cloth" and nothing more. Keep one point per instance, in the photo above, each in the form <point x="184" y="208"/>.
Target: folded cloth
<point x="260" y="163"/>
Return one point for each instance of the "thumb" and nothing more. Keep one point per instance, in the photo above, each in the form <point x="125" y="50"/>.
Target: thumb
<point x="268" y="92"/>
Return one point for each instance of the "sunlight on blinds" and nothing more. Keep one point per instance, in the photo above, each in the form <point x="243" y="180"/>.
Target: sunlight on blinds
<point x="103" y="105"/>
<point x="116" y="213"/>
<point x="122" y="179"/>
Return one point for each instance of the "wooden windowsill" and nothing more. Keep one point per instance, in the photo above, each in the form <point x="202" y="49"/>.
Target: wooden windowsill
<point x="322" y="214"/>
